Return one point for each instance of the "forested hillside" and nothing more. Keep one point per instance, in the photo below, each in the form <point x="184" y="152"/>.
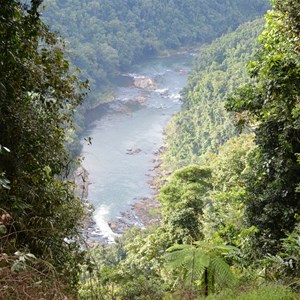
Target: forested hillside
<point x="199" y="203"/>
<point x="109" y="35"/>
<point x="267" y="105"/>
<point x="230" y="221"/>
<point x="203" y="123"/>
<point x="270" y="105"/>
<point x="230" y="207"/>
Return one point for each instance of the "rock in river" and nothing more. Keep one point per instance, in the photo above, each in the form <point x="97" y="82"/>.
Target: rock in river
<point x="145" y="83"/>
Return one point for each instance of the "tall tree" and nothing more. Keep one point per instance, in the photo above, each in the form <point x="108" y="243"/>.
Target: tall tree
<point x="271" y="104"/>
<point x="182" y="201"/>
<point x="37" y="98"/>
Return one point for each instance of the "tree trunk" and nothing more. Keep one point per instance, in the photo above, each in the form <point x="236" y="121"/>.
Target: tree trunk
<point x="206" y="282"/>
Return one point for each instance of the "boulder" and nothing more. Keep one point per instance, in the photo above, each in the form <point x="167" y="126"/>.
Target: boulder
<point x="132" y="151"/>
<point x="145" y="83"/>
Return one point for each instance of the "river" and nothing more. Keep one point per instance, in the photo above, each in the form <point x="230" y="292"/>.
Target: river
<point x="125" y="135"/>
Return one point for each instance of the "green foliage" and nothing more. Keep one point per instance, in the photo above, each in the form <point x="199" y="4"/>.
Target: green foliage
<point x="98" y="272"/>
<point x="223" y="214"/>
<point x="182" y="201"/>
<point x="271" y="103"/>
<point x="186" y="184"/>
<point x="109" y="36"/>
<point x="141" y="288"/>
<point x="284" y="267"/>
<point x="203" y="124"/>
<point x="38" y="97"/>
<point x="129" y="269"/>
<point x="265" y="292"/>
<point x="203" y="264"/>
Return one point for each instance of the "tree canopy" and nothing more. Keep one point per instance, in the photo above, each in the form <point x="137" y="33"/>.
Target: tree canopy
<point x="235" y="189"/>
<point x="38" y="95"/>
<point x="203" y="123"/>
<point x="270" y="103"/>
<point x="242" y="189"/>
<point x="109" y="35"/>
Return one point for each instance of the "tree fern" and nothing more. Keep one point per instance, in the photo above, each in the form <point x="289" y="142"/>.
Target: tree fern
<point x="203" y="263"/>
<point x="222" y="271"/>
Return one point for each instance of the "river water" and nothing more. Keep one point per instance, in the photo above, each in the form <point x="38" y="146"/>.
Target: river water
<point x="126" y="134"/>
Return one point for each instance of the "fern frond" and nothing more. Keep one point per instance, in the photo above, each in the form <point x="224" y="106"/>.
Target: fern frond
<point x="220" y="249"/>
<point x="202" y="260"/>
<point x="194" y="260"/>
<point x="222" y="271"/>
<point x="177" y="247"/>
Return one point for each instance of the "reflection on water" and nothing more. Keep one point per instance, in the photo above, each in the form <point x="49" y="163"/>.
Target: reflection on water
<point x="135" y="121"/>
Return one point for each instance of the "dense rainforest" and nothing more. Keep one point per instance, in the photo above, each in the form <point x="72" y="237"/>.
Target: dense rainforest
<point x="40" y="217"/>
<point x="203" y="123"/>
<point x="108" y="36"/>
<point x="230" y="208"/>
<point x="105" y="38"/>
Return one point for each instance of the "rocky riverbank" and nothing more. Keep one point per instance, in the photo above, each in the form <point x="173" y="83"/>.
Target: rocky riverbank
<point x="149" y="96"/>
<point x="145" y="212"/>
<point x="81" y="180"/>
